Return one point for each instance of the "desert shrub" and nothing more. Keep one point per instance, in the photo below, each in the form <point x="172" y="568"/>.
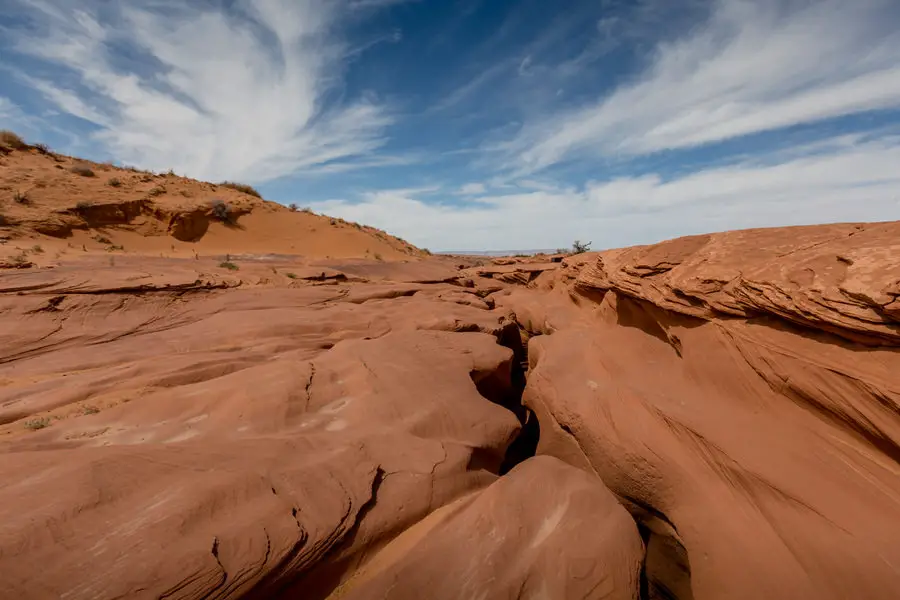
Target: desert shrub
<point x="378" y="256"/>
<point x="83" y="170"/>
<point x="221" y="211"/>
<point x="11" y="140"/>
<point x="293" y="207"/>
<point x="90" y="410"/>
<point x="100" y="239"/>
<point x="241" y="187"/>
<point x="37" y="249"/>
<point x="83" y="206"/>
<point x="227" y="264"/>
<point x="157" y="191"/>
<point x="35" y="424"/>
<point x="21" y="197"/>
<point x="291" y="275"/>
<point x="43" y="149"/>
<point x="114" y="182"/>
<point x="333" y="222"/>
<point x="578" y="247"/>
<point x="20" y="259"/>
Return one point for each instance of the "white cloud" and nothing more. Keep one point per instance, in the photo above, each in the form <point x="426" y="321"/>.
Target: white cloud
<point x="472" y="189"/>
<point x="6" y="107"/>
<point x="216" y="95"/>
<point x="840" y="182"/>
<point x="756" y="65"/>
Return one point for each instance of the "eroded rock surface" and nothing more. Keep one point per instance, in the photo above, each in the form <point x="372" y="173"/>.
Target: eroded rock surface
<point x="714" y="417"/>
<point x="722" y="400"/>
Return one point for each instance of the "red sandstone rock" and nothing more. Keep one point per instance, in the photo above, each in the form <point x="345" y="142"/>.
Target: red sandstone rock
<point x="545" y="530"/>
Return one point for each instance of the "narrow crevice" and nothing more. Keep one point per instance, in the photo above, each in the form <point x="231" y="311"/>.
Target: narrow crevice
<point x="524" y="446"/>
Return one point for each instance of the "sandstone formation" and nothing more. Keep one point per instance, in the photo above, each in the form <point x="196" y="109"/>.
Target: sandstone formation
<point x="710" y="417"/>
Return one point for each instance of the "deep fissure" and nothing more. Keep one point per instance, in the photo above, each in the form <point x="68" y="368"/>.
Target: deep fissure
<point x="665" y="572"/>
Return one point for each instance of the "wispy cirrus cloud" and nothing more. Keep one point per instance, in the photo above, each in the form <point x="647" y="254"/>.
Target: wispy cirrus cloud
<point x="754" y="66"/>
<point x="250" y="93"/>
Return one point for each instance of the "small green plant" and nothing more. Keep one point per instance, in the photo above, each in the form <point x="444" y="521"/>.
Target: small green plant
<point x="308" y="210"/>
<point x="113" y="247"/>
<point x="37" y="249"/>
<point x="83" y="170"/>
<point x="227" y="264"/>
<point x="35" y="424"/>
<point x="293" y="206"/>
<point x="579" y="248"/>
<point x="157" y="191"/>
<point x="20" y="260"/>
<point x="21" y="198"/>
<point x="43" y="149"/>
<point x="114" y="182"/>
<point x="102" y="239"/>
<point x="90" y="410"/>
<point x="170" y="173"/>
<point x="291" y="275"/>
<point x="241" y="187"/>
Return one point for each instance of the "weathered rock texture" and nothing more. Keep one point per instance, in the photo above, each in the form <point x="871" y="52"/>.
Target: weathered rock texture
<point x="739" y="393"/>
<point x="715" y="417"/>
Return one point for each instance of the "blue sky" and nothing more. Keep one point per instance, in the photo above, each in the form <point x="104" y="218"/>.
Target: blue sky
<point x="482" y="124"/>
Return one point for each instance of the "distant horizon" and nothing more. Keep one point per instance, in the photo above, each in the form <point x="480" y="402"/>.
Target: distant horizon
<point x="476" y="124"/>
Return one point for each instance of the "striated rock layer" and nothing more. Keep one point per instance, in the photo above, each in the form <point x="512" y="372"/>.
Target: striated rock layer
<point x="713" y="417"/>
<point x="739" y="393"/>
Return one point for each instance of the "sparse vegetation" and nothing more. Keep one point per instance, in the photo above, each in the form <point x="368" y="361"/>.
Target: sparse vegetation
<point x="20" y="259"/>
<point x="11" y="140"/>
<point x="293" y="206"/>
<point x="90" y="410"/>
<point x="21" y="197"/>
<point x="83" y="170"/>
<point x="83" y="206"/>
<point x="227" y="264"/>
<point x="426" y="251"/>
<point x="221" y="211"/>
<point x="579" y="248"/>
<point x="157" y="191"/>
<point x="241" y="187"/>
<point x="101" y="239"/>
<point x="35" y="424"/>
<point x="43" y="149"/>
<point x="378" y="256"/>
<point x="37" y="249"/>
<point x="114" y="182"/>
<point x="333" y="222"/>
<point x="291" y="275"/>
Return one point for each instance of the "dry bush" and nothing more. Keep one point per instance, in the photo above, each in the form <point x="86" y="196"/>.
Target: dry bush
<point x="221" y="211"/>
<point x="114" y="182"/>
<point x="241" y="187"/>
<point x="11" y="140"/>
<point x="578" y="247"/>
<point x="82" y="169"/>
